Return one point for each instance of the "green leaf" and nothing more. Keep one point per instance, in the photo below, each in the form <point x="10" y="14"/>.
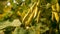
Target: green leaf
<point x="14" y="23"/>
<point x="19" y="30"/>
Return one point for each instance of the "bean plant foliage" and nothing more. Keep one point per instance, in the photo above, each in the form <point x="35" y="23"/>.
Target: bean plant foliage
<point x="29" y="16"/>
